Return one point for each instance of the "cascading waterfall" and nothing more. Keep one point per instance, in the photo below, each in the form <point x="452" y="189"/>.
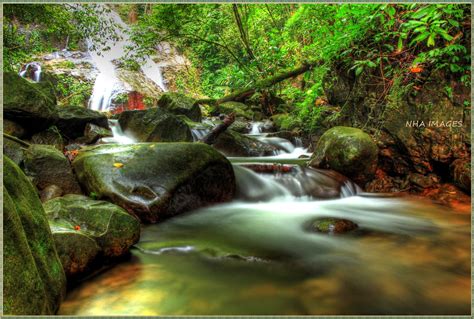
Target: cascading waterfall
<point x="31" y="70"/>
<point x="107" y="83"/>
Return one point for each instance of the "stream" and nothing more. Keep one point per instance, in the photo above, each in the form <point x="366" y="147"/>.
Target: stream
<point x="258" y="255"/>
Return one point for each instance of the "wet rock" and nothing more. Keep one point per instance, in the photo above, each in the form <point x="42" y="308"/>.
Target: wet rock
<point x="177" y="103"/>
<point x="460" y="171"/>
<point x="232" y="143"/>
<point x="239" y="109"/>
<point x="349" y="151"/>
<point x="27" y="103"/>
<point x="240" y="126"/>
<point x="156" y="181"/>
<point x="48" y="166"/>
<point x="423" y="181"/>
<point x="76" y="250"/>
<point x="72" y="120"/>
<point x="333" y="225"/>
<point x="92" y="133"/>
<point x="33" y="278"/>
<point x="51" y="136"/>
<point x="14" y="129"/>
<point x="83" y="228"/>
<point x="155" y="125"/>
<point x="50" y="192"/>
<point x="449" y="195"/>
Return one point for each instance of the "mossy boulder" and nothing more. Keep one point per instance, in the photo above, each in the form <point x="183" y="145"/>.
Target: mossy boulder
<point x="240" y="126"/>
<point x="14" y="150"/>
<point x="177" y="103"/>
<point x="48" y="166"/>
<point x="83" y="228"/>
<point x="240" y="109"/>
<point x="33" y="278"/>
<point x="156" y="180"/>
<point x="51" y="136"/>
<point x="27" y="103"/>
<point x="232" y="143"/>
<point x="347" y="150"/>
<point x="155" y="125"/>
<point x="72" y="120"/>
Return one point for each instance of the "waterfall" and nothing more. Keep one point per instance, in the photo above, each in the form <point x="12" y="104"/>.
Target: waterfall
<point x="119" y="136"/>
<point x="107" y="83"/>
<point x="32" y="71"/>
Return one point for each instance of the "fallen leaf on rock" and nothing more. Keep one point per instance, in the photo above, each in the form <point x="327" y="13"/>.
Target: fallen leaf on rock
<point x="77" y="227"/>
<point x="118" y="165"/>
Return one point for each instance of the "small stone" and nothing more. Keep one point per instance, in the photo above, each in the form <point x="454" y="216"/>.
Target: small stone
<point x="50" y="192"/>
<point x="333" y="225"/>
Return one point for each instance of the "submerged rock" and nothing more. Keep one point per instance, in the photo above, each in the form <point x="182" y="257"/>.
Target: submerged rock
<point x="155" y="125"/>
<point x="232" y="143"/>
<point x="180" y="104"/>
<point x="157" y="180"/>
<point x="333" y="225"/>
<point x="92" y="133"/>
<point x="48" y="166"/>
<point x="83" y="228"/>
<point x="348" y="151"/>
<point x="33" y="278"/>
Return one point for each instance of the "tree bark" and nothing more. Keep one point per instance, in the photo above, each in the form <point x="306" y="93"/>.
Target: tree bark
<point x="219" y="129"/>
<point x="244" y="93"/>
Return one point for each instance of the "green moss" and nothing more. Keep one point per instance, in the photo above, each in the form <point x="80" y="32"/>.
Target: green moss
<point x="34" y="281"/>
<point x="177" y="103"/>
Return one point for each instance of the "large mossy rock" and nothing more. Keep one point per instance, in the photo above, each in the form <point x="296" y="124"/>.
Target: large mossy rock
<point x="27" y="103"/>
<point x="239" y="109"/>
<point x="180" y="104"/>
<point x="232" y="143"/>
<point x="156" y="180"/>
<point x="155" y="125"/>
<point x="72" y="120"/>
<point x="48" y="166"/>
<point x="33" y="278"/>
<point x="83" y="228"/>
<point x="347" y="150"/>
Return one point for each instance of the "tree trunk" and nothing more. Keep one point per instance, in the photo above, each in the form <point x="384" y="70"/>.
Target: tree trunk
<point x="244" y="93"/>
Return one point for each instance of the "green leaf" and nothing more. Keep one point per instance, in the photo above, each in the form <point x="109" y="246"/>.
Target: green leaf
<point x="420" y="38"/>
<point x="359" y="70"/>
<point x="431" y="41"/>
<point x="400" y="44"/>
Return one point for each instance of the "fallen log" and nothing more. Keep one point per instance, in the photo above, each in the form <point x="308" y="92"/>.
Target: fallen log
<point x="212" y="136"/>
<point x="244" y="93"/>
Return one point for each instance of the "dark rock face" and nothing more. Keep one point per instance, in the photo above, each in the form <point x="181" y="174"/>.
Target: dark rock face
<point x="155" y="125"/>
<point x="48" y="166"/>
<point x="348" y="151"/>
<point x="33" y="278"/>
<point x="461" y="174"/>
<point x="232" y="143"/>
<point x="420" y="131"/>
<point x="157" y="180"/>
<point x="51" y="136"/>
<point x="84" y="228"/>
<point x="72" y="120"/>
<point x="92" y="133"/>
<point x="180" y="104"/>
<point x="13" y="128"/>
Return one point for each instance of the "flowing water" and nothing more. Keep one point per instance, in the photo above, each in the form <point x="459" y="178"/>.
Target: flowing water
<point x="107" y="83"/>
<point x="31" y="70"/>
<point x="258" y="255"/>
